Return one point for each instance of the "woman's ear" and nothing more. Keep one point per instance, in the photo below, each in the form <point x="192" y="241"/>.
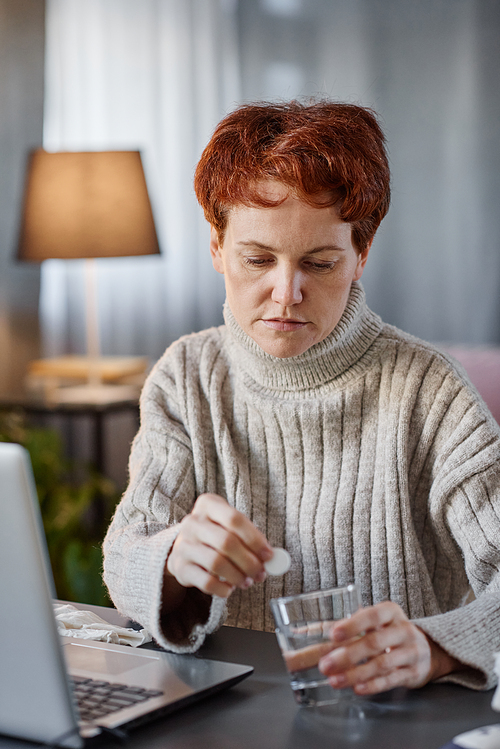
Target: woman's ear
<point x="362" y="258"/>
<point x="215" y="251"/>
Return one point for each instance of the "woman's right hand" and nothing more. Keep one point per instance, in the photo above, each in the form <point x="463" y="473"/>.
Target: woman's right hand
<point x="217" y="549"/>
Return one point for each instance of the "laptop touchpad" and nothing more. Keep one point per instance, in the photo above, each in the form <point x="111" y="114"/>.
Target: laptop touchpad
<point x="99" y="660"/>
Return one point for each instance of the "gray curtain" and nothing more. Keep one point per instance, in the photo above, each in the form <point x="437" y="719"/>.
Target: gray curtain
<point x="431" y="69"/>
<point x="153" y="75"/>
<point x="158" y="74"/>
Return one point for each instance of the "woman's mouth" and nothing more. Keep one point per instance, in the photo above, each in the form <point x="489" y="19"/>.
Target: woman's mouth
<point x="283" y="324"/>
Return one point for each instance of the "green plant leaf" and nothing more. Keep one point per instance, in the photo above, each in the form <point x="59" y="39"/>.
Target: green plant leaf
<point x="76" y="504"/>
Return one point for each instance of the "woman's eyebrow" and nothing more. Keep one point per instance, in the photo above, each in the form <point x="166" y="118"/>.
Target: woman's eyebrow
<point x="258" y="245"/>
<point x="269" y="248"/>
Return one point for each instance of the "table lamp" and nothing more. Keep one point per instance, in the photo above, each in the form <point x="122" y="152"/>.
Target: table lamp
<point x="87" y="205"/>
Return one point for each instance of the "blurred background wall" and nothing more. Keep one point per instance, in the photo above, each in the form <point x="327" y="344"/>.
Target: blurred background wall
<point x="431" y="69"/>
<point x="21" y="119"/>
<point x="158" y="75"/>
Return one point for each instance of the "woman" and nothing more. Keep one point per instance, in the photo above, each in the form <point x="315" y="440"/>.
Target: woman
<point x="306" y="422"/>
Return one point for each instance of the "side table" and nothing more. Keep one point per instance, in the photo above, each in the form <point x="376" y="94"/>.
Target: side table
<point x="97" y="412"/>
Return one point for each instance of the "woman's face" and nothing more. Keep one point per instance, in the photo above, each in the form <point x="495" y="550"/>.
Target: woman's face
<point x="288" y="271"/>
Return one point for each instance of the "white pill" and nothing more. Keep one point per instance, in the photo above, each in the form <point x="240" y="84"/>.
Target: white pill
<point x="279" y="563"/>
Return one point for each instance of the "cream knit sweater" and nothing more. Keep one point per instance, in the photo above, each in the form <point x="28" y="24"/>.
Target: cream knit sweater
<point x="370" y="457"/>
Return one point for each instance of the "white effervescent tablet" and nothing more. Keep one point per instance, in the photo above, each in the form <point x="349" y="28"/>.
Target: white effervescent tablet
<point x="279" y="563"/>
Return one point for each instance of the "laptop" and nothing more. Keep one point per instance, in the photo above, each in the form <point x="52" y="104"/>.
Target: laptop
<point x="41" y="672"/>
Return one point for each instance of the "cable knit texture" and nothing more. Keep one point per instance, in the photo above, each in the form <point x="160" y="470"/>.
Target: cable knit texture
<point x="370" y="457"/>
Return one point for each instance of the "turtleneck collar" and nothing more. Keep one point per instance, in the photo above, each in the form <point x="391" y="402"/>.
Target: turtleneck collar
<point x="325" y="361"/>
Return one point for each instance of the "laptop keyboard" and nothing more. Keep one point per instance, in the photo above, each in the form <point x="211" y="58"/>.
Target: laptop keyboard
<point x="96" y="699"/>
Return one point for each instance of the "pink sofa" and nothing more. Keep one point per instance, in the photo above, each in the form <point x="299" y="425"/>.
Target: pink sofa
<point x="482" y="364"/>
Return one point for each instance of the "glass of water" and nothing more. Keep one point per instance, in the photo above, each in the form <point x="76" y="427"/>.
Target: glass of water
<point x="303" y="623"/>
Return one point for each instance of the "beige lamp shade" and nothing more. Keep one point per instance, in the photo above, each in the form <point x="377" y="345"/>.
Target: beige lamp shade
<point x="86" y="205"/>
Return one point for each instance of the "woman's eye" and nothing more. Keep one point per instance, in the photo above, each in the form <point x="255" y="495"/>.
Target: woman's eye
<point x="256" y="262"/>
<point x="321" y="266"/>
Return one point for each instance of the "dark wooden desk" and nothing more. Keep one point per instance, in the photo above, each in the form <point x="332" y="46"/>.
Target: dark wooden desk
<point x="260" y="712"/>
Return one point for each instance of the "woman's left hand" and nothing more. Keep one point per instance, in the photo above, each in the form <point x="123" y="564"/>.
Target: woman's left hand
<point x="378" y="648"/>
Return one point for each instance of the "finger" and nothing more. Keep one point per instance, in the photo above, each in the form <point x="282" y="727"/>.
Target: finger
<point x="187" y="565"/>
<point x="194" y="576"/>
<point x="219" y="565"/>
<point x="190" y="563"/>
<point x="364" y="620"/>
<point x="376" y="668"/>
<point x="219" y="511"/>
<point x="405" y="652"/>
<point x="366" y="647"/>
<point x="229" y="556"/>
<point x="408" y="665"/>
<point x="400" y="677"/>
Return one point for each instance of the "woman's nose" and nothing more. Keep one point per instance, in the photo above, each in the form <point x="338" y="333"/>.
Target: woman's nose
<point x="287" y="287"/>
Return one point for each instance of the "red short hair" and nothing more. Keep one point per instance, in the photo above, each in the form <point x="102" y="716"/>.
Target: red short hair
<point x="322" y="147"/>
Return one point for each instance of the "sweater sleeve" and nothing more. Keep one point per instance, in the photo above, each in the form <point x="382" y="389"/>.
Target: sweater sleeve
<point x="160" y="493"/>
<point x="465" y="513"/>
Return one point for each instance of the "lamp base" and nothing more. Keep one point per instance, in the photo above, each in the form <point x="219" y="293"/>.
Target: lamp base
<point x="72" y="366"/>
<point x="93" y="394"/>
<point x="87" y="380"/>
